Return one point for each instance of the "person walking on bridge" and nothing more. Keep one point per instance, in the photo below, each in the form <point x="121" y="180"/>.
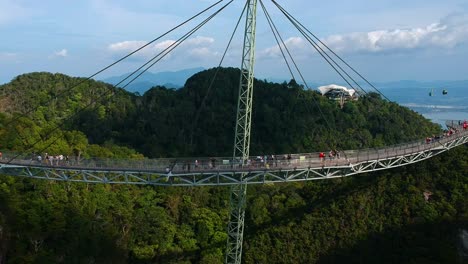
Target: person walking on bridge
<point x="322" y="156"/>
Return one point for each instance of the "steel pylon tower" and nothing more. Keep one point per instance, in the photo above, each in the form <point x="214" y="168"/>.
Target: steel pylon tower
<point x="237" y="199"/>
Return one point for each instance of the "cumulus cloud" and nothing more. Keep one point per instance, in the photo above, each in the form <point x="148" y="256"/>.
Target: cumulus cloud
<point x="194" y="47"/>
<point x="61" y="53"/>
<point x="126" y="46"/>
<point x="199" y="41"/>
<point x="293" y="44"/>
<point x="448" y="33"/>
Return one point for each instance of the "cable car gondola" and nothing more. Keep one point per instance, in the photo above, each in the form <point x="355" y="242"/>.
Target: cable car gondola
<point x="444" y="92"/>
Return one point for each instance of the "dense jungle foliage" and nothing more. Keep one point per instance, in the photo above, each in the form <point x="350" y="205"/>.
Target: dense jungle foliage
<point x="374" y="218"/>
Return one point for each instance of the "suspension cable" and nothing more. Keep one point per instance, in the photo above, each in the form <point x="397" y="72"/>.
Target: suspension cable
<point x="197" y="115"/>
<point x="119" y="60"/>
<point x="334" y="53"/>
<point x="317" y="48"/>
<point x="275" y="29"/>
<point x="61" y="124"/>
<point x="169" y="49"/>
<point x="275" y="32"/>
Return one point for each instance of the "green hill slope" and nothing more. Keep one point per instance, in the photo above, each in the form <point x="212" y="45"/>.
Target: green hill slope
<point x="374" y="218"/>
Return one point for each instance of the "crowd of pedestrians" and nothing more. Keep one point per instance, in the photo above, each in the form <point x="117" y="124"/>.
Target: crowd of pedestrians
<point x="261" y="161"/>
<point x="449" y="132"/>
<point x="53" y="160"/>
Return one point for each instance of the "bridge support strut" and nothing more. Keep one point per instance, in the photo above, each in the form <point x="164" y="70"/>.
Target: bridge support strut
<point x="242" y="138"/>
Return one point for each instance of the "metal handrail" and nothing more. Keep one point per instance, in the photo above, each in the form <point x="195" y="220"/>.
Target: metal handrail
<point x="194" y="164"/>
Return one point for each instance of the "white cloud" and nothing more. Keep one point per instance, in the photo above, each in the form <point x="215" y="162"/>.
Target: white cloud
<point x="61" y="53"/>
<point x="293" y="44"/>
<point x="448" y="33"/>
<point x="199" y="41"/>
<point x="160" y="46"/>
<point x="195" y="47"/>
<point x="434" y="35"/>
<point x="126" y="46"/>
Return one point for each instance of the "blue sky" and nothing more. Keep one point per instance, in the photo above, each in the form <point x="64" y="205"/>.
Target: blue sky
<point x="385" y="40"/>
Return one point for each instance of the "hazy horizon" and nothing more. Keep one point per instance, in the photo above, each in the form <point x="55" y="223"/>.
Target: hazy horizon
<point x="269" y="78"/>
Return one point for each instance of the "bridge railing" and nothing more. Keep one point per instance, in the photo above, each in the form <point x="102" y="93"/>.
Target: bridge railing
<point x="284" y="161"/>
<point x="454" y="123"/>
<point x="402" y="149"/>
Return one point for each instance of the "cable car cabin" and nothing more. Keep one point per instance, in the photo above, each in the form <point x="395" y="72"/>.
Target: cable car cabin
<point x="444" y="92"/>
<point x="431" y="93"/>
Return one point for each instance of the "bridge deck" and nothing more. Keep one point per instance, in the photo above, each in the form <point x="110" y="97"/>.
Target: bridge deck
<point x="224" y="171"/>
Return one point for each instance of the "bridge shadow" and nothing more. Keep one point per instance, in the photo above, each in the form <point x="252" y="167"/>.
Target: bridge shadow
<point x="335" y="189"/>
<point x="428" y="243"/>
<point x="320" y="194"/>
<point x="385" y="219"/>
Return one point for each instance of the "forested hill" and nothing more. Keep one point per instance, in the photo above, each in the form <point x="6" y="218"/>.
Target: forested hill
<point x="375" y="218"/>
<point x="198" y="120"/>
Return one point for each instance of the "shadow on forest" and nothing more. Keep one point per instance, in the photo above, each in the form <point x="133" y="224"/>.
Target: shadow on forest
<point x="341" y="188"/>
<point x="417" y="241"/>
<point x="336" y="190"/>
<point x="425" y="243"/>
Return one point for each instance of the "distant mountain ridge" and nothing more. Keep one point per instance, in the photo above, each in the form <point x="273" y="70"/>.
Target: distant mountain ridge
<point x="399" y="84"/>
<point x="169" y="79"/>
<point x="412" y="93"/>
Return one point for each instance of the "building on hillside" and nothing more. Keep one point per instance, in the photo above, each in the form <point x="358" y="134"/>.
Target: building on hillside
<point x="338" y="93"/>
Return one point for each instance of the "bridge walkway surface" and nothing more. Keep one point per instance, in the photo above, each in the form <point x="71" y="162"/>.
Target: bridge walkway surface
<point x="225" y="171"/>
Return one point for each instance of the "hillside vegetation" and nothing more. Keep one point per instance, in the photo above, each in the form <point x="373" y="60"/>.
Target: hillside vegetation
<point x="374" y="218"/>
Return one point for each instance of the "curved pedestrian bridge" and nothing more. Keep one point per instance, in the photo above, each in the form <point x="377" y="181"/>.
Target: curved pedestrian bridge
<point x="226" y="171"/>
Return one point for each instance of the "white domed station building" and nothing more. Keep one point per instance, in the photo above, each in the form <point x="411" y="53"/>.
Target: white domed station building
<point x="339" y="93"/>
